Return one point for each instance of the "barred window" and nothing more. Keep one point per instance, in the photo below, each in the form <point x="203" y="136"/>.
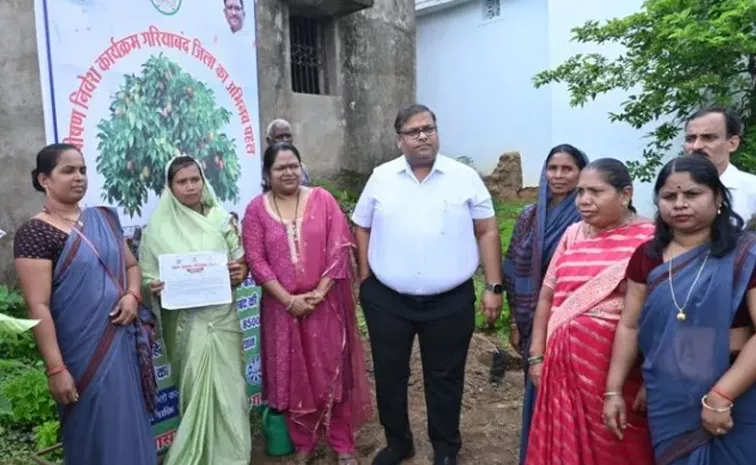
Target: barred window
<point x="308" y="60"/>
<point x="491" y="9"/>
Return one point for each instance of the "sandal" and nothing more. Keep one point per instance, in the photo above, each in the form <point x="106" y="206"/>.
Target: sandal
<point x="346" y="459"/>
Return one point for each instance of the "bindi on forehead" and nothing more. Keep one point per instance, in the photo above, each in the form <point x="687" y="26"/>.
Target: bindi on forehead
<point x="678" y="187"/>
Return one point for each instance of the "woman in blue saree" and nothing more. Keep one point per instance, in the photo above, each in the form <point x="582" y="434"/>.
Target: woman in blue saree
<point x="690" y="309"/>
<point x="82" y="282"/>
<point x="534" y="239"/>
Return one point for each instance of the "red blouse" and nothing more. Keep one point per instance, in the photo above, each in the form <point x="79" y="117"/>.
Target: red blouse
<point x="640" y="267"/>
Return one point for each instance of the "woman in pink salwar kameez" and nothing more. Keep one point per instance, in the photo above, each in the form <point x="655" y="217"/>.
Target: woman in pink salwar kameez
<point x="298" y="247"/>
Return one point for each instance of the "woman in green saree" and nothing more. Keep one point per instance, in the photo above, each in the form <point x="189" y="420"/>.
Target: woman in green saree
<point x="203" y="344"/>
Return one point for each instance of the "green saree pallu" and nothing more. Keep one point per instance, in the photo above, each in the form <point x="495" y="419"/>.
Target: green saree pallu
<point x="204" y="345"/>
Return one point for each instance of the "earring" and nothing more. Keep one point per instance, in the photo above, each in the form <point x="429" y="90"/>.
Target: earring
<point x="719" y="210"/>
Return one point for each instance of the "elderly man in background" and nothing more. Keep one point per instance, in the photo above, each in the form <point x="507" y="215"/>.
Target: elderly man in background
<point x="423" y="220"/>
<point x="279" y="130"/>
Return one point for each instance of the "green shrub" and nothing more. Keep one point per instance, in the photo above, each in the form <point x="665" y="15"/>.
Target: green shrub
<point x="16" y="346"/>
<point x="20" y="347"/>
<point x="30" y="400"/>
<point x="506" y="215"/>
<point x="347" y="198"/>
<point x="12" y="302"/>
<point x="47" y="435"/>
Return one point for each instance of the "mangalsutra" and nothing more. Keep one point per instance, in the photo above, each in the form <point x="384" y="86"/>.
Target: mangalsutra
<point x="681" y="309"/>
<point x="77" y="221"/>
<point x="293" y="233"/>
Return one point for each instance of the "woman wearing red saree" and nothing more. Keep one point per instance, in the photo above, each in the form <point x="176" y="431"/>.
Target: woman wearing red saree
<point x="577" y="314"/>
<point x="298" y="246"/>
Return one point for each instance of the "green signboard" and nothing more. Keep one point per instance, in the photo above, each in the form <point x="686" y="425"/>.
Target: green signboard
<point x="248" y="306"/>
<point x="166" y="419"/>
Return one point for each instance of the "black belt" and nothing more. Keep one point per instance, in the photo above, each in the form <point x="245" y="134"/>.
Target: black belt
<point x="423" y="299"/>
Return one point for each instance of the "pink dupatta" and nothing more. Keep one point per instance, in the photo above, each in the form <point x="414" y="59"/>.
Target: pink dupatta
<point x="309" y="363"/>
<point x="588" y="274"/>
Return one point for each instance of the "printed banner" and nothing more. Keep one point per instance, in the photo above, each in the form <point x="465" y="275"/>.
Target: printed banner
<point x="166" y="420"/>
<point x="135" y="83"/>
<point x="248" y="307"/>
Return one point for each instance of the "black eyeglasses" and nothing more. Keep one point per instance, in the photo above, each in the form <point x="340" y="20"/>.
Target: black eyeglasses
<point x="415" y="133"/>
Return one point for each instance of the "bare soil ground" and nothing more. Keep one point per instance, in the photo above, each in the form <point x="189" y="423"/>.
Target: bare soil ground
<point x="490" y="422"/>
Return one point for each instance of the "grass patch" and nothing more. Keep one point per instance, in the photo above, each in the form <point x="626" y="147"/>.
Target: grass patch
<point x="506" y="215"/>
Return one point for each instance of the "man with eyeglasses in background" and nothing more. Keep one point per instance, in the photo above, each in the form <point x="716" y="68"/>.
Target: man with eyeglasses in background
<point x="423" y="220"/>
<point x="279" y="130"/>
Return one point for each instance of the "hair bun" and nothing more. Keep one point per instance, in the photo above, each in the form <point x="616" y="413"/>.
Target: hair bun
<point x="35" y="181"/>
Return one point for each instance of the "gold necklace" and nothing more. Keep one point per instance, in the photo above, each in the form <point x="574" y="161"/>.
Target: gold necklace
<point x="294" y="233"/>
<point x="681" y="310"/>
<point x="76" y="222"/>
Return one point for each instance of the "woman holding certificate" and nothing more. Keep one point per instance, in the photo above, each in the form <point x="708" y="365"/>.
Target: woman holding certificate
<point x="203" y="343"/>
<point x="82" y="283"/>
<point x="298" y="246"/>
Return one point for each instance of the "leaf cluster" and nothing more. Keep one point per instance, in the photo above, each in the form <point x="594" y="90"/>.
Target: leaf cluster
<point x="30" y="400"/>
<point x="678" y="56"/>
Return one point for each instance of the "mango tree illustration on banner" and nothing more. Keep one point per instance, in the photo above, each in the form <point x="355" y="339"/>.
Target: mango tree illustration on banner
<point x="160" y="114"/>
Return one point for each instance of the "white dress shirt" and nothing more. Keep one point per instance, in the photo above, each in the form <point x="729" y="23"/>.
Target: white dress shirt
<point x="742" y="187"/>
<point x="422" y="239"/>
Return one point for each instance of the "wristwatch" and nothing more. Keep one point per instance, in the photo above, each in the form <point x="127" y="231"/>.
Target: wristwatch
<point x="495" y="288"/>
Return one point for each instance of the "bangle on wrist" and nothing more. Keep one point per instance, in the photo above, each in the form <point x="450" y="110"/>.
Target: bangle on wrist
<point x="535" y="360"/>
<point x="291" y="303"/>
<point x="722" y="394"/>
<point x="54" y="371"/>
<point x="608" y="394"/>
<point x="705" y="405"/>
<point x="135" y="295"/>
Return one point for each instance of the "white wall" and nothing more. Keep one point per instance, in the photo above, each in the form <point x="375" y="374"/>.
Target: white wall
<point x="478" y="78"/>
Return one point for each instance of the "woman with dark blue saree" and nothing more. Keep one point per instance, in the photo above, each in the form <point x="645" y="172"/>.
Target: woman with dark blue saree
<point x="82" y="282"/>
<point x="690" y="309"/>
<point x="534" y="239"/>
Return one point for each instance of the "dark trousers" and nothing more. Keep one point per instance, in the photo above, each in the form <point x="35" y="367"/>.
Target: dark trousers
<point x="444" y="325"/>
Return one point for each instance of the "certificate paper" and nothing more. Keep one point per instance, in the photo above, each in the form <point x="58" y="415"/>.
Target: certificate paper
<point x="194" y="280"/>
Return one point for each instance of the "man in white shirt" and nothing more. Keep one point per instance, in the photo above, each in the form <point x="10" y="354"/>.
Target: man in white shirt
<point x="715" y="131"/>
<point x="423" y="220"/>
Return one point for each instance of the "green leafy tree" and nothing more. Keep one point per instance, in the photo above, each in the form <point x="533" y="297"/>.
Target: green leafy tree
<point x="679" y="55"/>
<point x="155" y="116"/>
